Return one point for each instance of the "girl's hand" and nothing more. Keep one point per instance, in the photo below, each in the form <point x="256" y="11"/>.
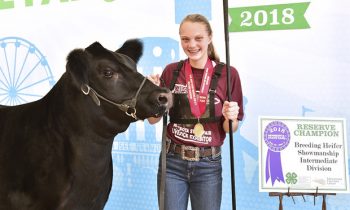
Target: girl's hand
<point x="154" y="78"/>
<point x="230" y="110"/>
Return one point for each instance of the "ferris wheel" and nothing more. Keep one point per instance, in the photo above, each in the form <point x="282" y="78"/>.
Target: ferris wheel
<point x="25" y="74"/>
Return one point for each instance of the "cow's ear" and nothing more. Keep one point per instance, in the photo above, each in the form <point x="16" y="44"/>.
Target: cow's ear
<point x="132" y="48"/>
<point x="96" y="49"/>
<point x="77" y="65"/>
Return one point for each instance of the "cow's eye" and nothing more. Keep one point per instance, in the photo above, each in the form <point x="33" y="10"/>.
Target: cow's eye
<point x="108" y="73"/>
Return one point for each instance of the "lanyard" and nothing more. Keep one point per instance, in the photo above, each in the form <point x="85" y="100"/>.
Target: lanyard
<point x="198" y="103"/>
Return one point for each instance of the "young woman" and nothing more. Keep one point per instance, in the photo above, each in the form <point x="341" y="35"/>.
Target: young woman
<point x="199" y="119"/>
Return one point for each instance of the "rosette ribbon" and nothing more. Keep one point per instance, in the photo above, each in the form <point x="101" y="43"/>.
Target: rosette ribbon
<point x="273" y="167"/>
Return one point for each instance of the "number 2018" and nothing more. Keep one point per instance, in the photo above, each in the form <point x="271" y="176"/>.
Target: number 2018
<point x="261" y="17"/>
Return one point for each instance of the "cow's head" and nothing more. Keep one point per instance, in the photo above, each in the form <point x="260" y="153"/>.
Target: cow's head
<point x="113" y="83"/>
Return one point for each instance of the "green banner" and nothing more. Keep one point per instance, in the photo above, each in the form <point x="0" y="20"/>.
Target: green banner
<point x="269" y="17"/>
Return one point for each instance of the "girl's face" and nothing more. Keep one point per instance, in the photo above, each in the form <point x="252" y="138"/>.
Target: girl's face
<point x="194" y="41"/>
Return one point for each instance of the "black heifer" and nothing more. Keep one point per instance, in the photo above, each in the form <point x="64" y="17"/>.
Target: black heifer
<point x="55" y="153"/>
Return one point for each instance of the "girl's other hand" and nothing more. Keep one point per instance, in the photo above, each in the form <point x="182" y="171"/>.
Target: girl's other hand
<point x="154" y="78"/>
<point x="230" y="110"/>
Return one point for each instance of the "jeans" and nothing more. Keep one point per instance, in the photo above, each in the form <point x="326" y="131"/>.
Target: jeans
<point x="200" y="181"/>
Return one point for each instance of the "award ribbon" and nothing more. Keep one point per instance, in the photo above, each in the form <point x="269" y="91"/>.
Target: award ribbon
<point x="277" y="138"/>
<point x="198" y="103"/>
<point x="274" y="167"/>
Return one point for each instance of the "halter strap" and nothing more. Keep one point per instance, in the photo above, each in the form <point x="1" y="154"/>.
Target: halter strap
<point x="128" y="106"/>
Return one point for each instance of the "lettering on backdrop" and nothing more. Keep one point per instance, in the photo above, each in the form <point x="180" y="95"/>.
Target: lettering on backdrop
<point x="269" y="17"/>
<point x="11" y="4"/>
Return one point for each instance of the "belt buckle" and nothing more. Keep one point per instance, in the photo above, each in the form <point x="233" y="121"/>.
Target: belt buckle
<point x="190" y="148"/>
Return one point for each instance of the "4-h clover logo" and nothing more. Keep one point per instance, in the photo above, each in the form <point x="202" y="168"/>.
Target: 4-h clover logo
<point x="291" y="178"/>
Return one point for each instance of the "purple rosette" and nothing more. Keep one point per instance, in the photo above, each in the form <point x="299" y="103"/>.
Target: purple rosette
<point x="277" y="138"/>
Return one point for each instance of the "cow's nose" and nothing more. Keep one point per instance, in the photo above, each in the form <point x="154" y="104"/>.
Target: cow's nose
<point x="165" y="99"/>
<point x="162" y="98"/>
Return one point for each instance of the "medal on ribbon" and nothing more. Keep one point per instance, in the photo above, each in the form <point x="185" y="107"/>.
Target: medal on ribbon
<point x="198" y="130"/>
<point x="198" y="103"/>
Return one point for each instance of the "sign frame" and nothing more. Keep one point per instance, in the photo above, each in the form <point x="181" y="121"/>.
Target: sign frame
<point x="291" y="161"/>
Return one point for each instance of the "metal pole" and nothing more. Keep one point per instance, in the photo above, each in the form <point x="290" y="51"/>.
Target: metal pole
<point x="227" y="49"/>
<point x="161" y="199"/>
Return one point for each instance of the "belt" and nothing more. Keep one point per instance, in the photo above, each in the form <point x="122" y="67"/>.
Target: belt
<point x="192" y="153"/>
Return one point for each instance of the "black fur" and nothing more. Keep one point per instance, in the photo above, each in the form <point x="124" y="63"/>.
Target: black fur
<point x="55" y="153"/>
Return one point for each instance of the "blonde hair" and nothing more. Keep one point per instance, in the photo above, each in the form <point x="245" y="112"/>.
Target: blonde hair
<point x="198" y="18"/>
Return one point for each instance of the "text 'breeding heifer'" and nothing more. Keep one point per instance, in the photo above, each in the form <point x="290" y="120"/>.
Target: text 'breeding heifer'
<point x="55" y="153"/>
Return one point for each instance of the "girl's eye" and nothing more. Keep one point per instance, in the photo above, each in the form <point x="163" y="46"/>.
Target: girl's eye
<point x="107" y="73"/>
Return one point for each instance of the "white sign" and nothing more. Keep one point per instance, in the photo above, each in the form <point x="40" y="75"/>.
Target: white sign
<point x="303" y="155"/>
